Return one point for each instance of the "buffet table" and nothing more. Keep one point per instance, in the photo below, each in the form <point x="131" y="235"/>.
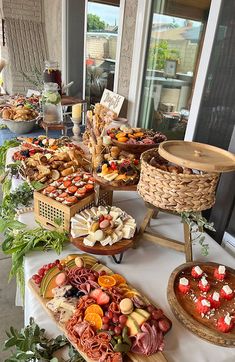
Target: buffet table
<point x="148" y="268"/>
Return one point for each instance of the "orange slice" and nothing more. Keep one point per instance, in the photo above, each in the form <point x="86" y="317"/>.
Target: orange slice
<point x="130" y="294"/>
<point x="119" y="279"/>
<point x="124" y="286"/>
<point x="94" y="308"/>
<point x="94" y="319"/>
<point x="106" y="281"/>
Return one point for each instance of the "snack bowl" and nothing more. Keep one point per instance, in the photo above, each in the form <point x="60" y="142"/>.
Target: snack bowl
<point x="136" y="149"/>
<point x="19" y="127"/>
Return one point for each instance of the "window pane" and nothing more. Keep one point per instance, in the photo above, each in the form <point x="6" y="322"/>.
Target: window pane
<point x="169" y="73"/>
<point x="101" y="43"/>
<point x="216" y="117"/>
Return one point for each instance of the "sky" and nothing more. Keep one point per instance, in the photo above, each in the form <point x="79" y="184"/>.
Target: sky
<point x="110" y="14"/>
<point x="107" y="13"/>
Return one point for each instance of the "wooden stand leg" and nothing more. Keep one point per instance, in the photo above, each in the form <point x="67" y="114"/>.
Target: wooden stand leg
<point x="188" y="243"/>
<point x="143" y="226"/>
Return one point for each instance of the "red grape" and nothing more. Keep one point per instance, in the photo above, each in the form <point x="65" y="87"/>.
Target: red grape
<point x="164" y="324"/>
<point x="105" y="320"/>
<point x="109" y="314"/>
<point x="105" y="327"/>
<point x="115" y="318"/>
<point x="117" y="330"/>
<point x="111" y="328"/>
<point x="122" y="319"/>
<point x="37" y="279"/>
<point x="96" y="274"/>
<point x="41" y="272"/>
<point x="102" y="273"/>
<point x="57" y="262"/>
<point x="157" y="314"/>
<point x="150" y="308"/>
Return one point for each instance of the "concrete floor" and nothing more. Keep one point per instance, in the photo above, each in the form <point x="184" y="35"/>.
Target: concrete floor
<point x="10" y="315"/>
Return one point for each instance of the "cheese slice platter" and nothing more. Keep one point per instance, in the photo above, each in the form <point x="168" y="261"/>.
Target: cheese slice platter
<point x="62" y="289"/>
<point x="202" y="297"/>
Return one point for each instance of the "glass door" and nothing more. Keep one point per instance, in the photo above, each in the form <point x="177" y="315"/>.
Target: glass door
<point x="175" y="36"/>
<point x="101" y="44"/>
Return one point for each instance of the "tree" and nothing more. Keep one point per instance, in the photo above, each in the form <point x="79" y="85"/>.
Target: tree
<point x="158" y="53"/>
<point x="94" y="23"/>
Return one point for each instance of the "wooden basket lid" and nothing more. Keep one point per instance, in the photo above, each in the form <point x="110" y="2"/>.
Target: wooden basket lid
<point x="197" y="156"/>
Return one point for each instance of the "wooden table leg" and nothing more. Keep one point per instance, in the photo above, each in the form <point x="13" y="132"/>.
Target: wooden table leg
<point x="143" y="226"/>
<point x="188" y="243"/>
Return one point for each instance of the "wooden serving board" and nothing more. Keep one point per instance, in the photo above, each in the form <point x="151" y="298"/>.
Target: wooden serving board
<point x="184" y="307"/>
<point x="157" y="357"/>
<point x="98" y="249"/>
<point x="113" y="185"/>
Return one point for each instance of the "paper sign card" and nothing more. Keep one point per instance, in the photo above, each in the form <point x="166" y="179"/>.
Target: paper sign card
<point x="112" y="101"/>
<point x="32" y="92"/>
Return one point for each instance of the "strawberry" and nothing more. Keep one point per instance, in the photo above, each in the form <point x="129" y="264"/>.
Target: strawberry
<point x="103" y="298"/>
<point x="113" y="166"/>
<point x="32" y="152"/>
<point x="95" y="293"/>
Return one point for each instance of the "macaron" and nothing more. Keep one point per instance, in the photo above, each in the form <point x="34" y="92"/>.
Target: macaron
<point x="126" y="306"/>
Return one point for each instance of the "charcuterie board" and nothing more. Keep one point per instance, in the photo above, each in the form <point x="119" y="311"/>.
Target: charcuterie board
<point x="184" y="305"/>
<point x="156" y="357"/>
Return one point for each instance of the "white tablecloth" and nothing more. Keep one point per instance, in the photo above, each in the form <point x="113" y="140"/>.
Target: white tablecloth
<point x="148" y="268"/>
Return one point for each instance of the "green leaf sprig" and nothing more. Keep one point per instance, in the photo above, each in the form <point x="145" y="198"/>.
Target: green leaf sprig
<point x="31" y="344"/>
<point x="19" y="241"/>
<point x="3" y="151"/>
<point x="197" y="223"/>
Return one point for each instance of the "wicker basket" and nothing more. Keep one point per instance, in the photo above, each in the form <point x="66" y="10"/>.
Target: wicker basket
<point x="176" y="192"/>
<point x="47" y="210"/>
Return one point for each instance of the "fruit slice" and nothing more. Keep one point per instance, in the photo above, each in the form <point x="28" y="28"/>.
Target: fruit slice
<point x="130" y="294"/>
<point x="133" y="326"/>
<point x="119" y="279"/>
<point x="94" y="308"/>
<point x="106" y="281"/>
<point x="45" y="283"/>
<point x="143" y="312"/>
<point x="94" y="319"/>
<point x="139" y="318"/>
<point x="99" y="268"/>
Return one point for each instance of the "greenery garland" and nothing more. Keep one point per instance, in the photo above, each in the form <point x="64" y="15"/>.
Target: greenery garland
<point x="197" y="223"/>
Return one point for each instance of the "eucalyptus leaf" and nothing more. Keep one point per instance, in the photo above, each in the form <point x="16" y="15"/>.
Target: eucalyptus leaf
<point x="197" y="223"/>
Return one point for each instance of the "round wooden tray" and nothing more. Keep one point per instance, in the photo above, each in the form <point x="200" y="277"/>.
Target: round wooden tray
<point x="135" y="149"/>
<point x="112" y="185"/>
<point x="98" y="249"/>
<point x="183" y="306"/>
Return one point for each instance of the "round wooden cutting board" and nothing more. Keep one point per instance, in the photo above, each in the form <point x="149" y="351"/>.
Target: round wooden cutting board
<point x="98" y="249"/>
<point x="184" y="307"/>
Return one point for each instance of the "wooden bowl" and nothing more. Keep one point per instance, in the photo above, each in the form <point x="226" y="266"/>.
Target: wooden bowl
<point x="136" y="149"/>
<point x="183" y="306"/>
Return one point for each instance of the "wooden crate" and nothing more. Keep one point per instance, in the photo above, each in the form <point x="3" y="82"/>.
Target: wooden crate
<point x="47" y="210"/>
